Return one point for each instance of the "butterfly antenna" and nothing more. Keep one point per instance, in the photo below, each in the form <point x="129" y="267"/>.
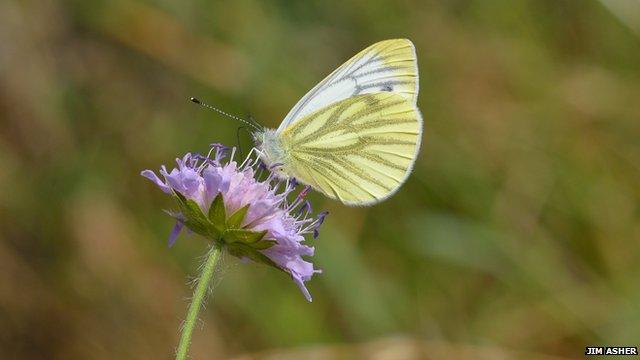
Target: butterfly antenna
<point x="253" y="120"/>
<point x="250" y="123"/>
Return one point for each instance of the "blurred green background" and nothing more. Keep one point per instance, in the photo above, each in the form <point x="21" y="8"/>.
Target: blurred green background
<point x="517" y="236"/>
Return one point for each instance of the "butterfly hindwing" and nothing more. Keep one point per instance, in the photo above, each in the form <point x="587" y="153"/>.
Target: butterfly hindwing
<point x="386" y="66"/>
<point x="358" y="150"/>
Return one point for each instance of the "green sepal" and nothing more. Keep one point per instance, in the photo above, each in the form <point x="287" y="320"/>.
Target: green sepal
<point x="243" y="236"/>
<point x="243" y="250"/>
<point x="218" y="214"/>
<point x="263" y="245"/>
<point x="217" y="227"/>
<point x="235" y="220"/>
<point x="195" y="218"/>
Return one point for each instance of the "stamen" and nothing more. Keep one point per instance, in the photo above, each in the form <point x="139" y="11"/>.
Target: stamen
<point x="306" y="207"/>
<point x="211" y="149"/>
<point x="248" y="158"/>
<point x="321" y="217"/>
<point x="218" y="146"/>
<point x="304" y="192"/>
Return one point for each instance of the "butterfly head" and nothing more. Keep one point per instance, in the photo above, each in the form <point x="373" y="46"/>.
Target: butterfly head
<point x="272" y="152"/>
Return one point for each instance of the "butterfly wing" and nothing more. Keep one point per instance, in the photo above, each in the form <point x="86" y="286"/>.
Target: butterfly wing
<point x="359" y="150"/>
<point x="386" y="66"/>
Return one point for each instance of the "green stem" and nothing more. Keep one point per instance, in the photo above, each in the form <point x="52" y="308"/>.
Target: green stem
<point x="199" y="296"/>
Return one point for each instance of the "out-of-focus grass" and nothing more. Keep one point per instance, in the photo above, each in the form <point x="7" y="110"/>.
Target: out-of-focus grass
<point x="516" y="236"/>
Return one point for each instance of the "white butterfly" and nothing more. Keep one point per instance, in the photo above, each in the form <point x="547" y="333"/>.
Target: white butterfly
<point x="355" y="136"/>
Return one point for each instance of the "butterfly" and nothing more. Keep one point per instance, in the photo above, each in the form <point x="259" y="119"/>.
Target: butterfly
<point x="355" y="136"/>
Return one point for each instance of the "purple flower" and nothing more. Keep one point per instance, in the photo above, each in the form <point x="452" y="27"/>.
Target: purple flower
<point x="255" y="219"/>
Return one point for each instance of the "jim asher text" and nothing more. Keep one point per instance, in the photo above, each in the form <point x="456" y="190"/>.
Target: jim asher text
<point x="611" y="350"/>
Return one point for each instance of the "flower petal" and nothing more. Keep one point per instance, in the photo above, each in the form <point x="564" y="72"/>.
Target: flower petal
<point x="173" y="236"/>
<point x="301" y="286"/>
<point x="153" y="177"/>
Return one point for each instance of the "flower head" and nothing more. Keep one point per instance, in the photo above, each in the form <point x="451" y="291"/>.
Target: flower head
<point x="257" y="219"/>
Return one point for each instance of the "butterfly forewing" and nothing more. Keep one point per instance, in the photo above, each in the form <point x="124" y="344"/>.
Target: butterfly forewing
<point x="358" y="150"/>
<point x="387" y="66"/>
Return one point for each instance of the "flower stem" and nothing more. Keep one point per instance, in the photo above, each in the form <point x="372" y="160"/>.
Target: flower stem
<point x="199" y="296"/>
